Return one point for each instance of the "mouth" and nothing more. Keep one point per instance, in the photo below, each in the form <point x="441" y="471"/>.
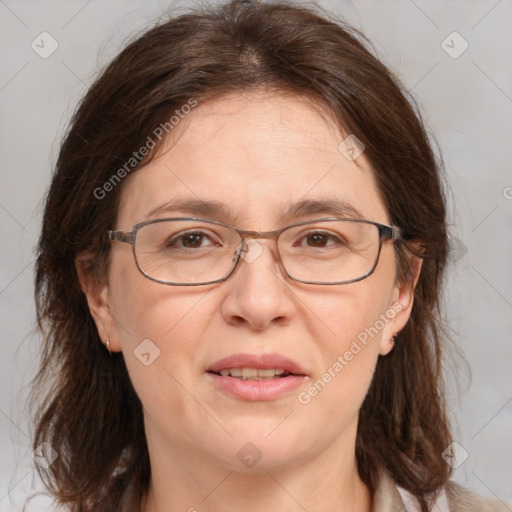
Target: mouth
<point x="256" y="367"/>
<point x="254" y="373"/>
<point x="256" y="377"/>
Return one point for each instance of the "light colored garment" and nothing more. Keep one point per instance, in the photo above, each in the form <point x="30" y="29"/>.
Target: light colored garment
<point x="390" y="497"/>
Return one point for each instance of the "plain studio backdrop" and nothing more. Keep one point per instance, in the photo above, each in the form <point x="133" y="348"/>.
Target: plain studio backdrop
<point x="455" y="56"/>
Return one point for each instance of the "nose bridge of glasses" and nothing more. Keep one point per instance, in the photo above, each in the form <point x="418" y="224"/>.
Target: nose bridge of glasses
<point x="251" y="246"/>
<point x="249" y="249"/>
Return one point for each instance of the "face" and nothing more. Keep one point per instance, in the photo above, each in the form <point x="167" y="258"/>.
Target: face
<point x="258" y="155"/>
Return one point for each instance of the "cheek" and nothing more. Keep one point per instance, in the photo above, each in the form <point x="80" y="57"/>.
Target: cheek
<point x="345" y="315"/>
<point x="158" y="327"/>
<point x="142" y="308"/>
<point x="362" y="310"/>
<point x="351" y="318"/>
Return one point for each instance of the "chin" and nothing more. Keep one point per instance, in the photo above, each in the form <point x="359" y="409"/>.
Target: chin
<point x="254" y="449"/>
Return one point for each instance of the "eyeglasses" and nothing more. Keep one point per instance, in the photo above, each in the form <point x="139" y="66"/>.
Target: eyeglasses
<point x="188" y="251"/>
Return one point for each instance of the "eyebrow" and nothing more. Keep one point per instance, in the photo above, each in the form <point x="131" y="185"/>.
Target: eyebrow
<point x="334" y="207"/>
<point x="216" y="210"/>
<point x="210" y="209"/>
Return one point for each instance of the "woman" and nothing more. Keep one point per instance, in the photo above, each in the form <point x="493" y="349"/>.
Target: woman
<point x="239" y="275"/>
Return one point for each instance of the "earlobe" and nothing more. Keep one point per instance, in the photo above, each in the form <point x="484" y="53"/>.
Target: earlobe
<point x="97" y="295"/>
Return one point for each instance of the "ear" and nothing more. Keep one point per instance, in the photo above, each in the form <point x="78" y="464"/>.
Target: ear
<point x="97" y="295"/>
<point x="400" y="306"/>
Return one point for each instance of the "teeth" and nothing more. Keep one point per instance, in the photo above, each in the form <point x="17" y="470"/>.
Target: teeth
<point x="252" y="373"/>
<point x="266" y="373"/>
<point x="249" y="373"/>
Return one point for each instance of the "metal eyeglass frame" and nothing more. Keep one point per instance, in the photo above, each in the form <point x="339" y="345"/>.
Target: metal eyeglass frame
<point x="129" y="237"/>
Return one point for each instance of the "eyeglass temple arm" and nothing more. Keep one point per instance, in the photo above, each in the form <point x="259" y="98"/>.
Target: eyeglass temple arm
<point x="395" y="232"/>
<point x="121" y="236"/>
<point x="390" y="232"/>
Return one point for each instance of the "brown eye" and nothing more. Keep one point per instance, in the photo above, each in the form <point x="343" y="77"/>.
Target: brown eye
<point x="320" y="240"/>
<point x="192" y="240"/>
<point x="317" y="240"/>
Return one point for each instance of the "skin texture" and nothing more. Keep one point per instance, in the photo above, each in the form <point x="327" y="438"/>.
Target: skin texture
<point x="256" y="153"/>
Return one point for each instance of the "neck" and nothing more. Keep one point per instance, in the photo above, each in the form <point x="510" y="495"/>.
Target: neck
<point x="182" y="480"/>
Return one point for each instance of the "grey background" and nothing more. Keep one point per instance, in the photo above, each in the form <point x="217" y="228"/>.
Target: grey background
<point x="467" y="102"/>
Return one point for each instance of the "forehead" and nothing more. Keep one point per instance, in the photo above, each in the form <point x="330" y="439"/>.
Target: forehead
<point x="256" y="156"/>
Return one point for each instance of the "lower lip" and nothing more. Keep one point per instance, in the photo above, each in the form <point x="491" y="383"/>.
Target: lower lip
<point x="257" y="390"/>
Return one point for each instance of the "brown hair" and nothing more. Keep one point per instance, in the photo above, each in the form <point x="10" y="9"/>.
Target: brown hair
<point x="89" y="412"/>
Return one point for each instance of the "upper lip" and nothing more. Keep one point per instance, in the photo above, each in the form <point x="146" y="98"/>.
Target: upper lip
<point x="259" y="361"/>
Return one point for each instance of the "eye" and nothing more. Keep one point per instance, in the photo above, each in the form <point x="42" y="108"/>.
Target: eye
<point x="193" y="240"/>
<point x="321" y="239"/>
<point x="189" y="240"/>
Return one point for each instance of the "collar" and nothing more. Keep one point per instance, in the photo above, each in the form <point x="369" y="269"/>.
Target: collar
<point x="389" y="497"/>
<point x="386" y="497"/>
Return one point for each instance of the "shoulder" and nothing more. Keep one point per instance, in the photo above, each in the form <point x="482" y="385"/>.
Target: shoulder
<point x="461" y="499"/>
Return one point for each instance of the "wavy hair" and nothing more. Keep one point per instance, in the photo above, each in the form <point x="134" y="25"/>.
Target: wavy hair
<point x="87" y="409"/>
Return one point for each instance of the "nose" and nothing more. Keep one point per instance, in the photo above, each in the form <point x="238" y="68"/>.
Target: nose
<point x="258" y="293"/>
